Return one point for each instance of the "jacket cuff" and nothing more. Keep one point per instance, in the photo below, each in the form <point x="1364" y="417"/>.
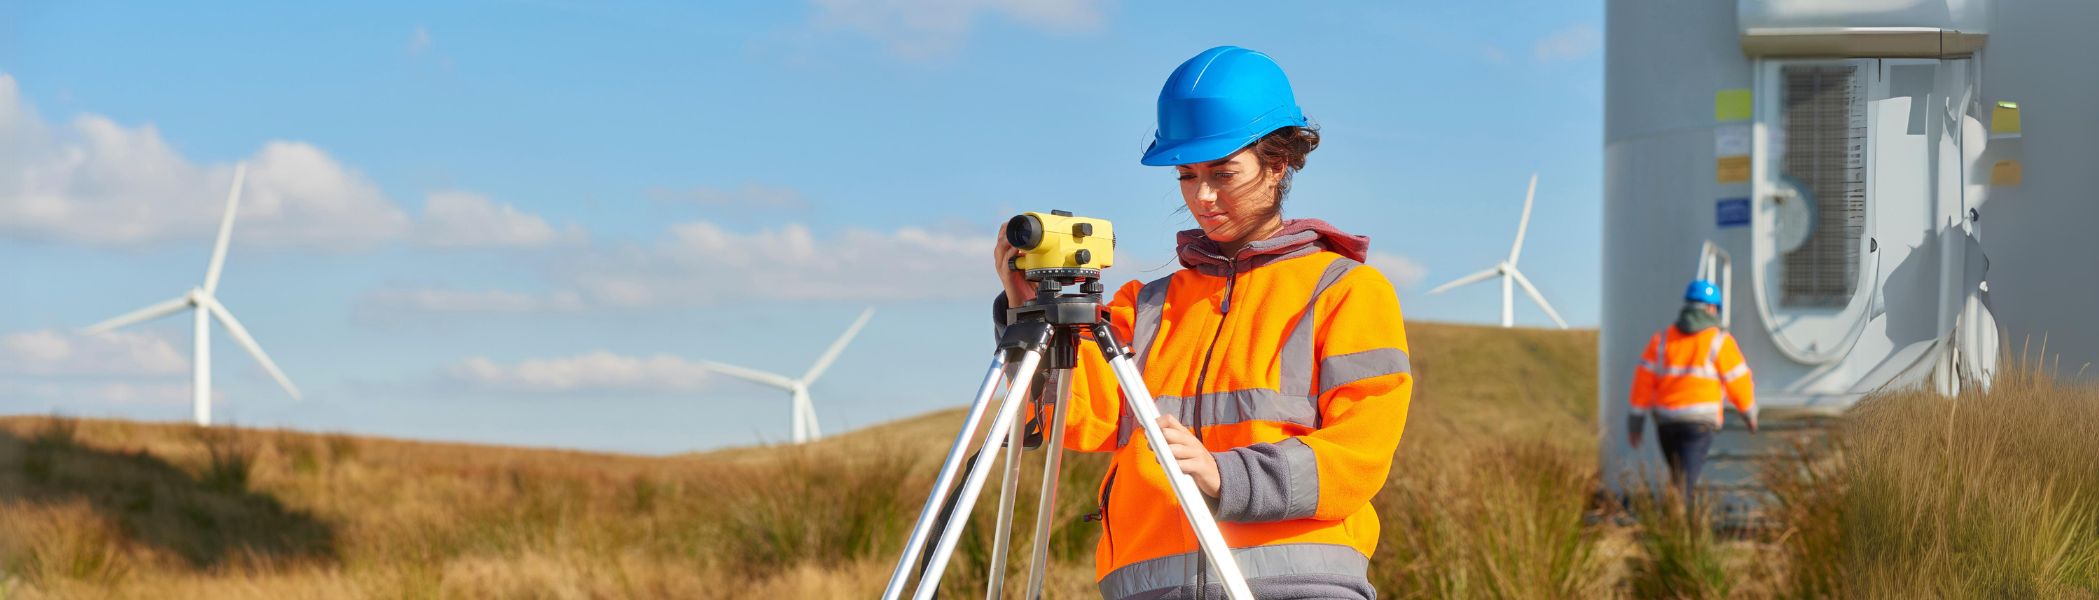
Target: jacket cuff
<point x="998" y="315"/>
<point x="1267" y="482"/>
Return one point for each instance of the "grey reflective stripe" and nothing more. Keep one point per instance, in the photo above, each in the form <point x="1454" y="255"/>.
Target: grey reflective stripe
<point x="1337" y="371"/>
<point x="1257" y="562"/>
<point x="1233" y="407"/>
<point x="1151" y="303"/>
<point x="1296" y="375"/>
<point x="1698" y="371"/>
<point x="1303" y="474"/>
<point x="1703" y="412"/>
<point x="1740" y="371"/>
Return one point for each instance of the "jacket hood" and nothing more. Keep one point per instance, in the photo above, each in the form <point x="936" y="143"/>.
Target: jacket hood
<point x="1693" y="319"/>
<point x="1298" y="237"/>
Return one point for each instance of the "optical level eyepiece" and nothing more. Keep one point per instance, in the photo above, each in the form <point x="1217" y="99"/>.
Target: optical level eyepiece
<point x="1024" y="232"/>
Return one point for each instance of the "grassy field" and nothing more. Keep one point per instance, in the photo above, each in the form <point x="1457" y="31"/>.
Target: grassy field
<point x="1491" y="495"/>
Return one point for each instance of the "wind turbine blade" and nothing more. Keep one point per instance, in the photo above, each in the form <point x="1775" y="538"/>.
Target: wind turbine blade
<point x="753" y="375"/>
<point x="1523" y="226"/>
<point x="1467" y="280"/>
<point x="831" y="354"/>
<point x="1537" y="297"/>
<point x="240" y="334"/>
<point x="144" y="314"/>
<point x="218" y="250"/>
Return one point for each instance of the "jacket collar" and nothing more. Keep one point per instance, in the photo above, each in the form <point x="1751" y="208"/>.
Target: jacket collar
<point x="1299" y="237"/>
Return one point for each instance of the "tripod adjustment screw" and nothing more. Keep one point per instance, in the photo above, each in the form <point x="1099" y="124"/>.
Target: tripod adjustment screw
<point x="1083" y="256"/>
<point x="1093" y="287"/>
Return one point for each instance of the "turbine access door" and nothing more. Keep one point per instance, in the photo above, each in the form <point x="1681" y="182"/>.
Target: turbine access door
<point x="1858" y="253"/>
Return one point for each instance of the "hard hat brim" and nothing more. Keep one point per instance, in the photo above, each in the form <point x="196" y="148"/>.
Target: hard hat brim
<point x="1183" y="152"/>
<point x="1167" y="153"/>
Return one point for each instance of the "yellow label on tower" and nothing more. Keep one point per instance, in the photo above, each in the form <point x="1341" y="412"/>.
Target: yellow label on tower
<point x="2007" y="173"/>
<point x="1731" y="105"/>
<point x="1731" y="169"/>
<point x="2004" y="120"/>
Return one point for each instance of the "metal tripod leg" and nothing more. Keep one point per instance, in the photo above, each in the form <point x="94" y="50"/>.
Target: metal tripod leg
<point x="1009" y="490"/>
<point x="1057" y="397"/>
<point x="1141" y="404"/>
<point x="936" y="499"/>
<point x="1016" y="396"/>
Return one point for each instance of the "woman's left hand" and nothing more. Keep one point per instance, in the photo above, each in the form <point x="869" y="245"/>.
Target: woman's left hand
<point x="1195" y="460"/>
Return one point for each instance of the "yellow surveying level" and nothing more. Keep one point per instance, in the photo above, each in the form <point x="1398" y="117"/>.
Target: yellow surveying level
<point x="1052" y="243"/>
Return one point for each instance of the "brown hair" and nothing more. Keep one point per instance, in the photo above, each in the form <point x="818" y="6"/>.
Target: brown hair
<point x="1286" y="147"/>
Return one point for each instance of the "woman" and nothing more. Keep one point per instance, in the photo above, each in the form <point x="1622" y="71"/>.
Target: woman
<point x="1278" y="361"/>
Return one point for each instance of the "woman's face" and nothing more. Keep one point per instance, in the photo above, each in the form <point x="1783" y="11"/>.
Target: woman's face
<point x="1232" y="197"/>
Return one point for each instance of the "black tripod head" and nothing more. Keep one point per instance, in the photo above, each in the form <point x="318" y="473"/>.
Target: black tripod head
<point x="1064" y="304"/>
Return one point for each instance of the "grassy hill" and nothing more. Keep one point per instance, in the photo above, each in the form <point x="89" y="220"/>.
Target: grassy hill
<point x="122" y="509"/>
<point x="1490" y="496"/>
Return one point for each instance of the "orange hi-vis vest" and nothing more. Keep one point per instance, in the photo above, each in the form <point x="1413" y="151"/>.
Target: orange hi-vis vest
<point x="1684" y="378"/>
<point x="1292" y="367"/>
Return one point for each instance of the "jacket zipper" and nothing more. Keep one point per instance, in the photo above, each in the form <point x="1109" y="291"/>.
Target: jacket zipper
<point x="1107" y="488"/>
<point x="1224" y="311"/>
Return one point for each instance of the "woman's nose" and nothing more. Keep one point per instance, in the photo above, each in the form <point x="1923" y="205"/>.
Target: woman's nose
<point x="1206" y="195"/>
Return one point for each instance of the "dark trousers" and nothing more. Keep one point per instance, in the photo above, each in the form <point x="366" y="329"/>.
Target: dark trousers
<point x="1684" y="445"/>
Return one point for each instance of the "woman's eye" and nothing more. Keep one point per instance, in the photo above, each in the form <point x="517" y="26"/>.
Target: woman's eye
<point x="1226" y="174"/>
<point x="1185" y="176"/>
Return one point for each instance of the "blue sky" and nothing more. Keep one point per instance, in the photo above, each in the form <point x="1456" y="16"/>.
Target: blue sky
<point x="522" y="223"/>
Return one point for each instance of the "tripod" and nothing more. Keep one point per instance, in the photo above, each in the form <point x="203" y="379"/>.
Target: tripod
<point x="1043" y="334"/>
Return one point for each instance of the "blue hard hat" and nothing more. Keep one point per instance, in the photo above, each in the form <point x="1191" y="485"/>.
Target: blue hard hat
<point x="1218" y="102"/>
<point x="1702" y="291"/>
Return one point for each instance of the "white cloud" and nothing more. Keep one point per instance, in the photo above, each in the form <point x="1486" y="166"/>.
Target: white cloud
<point x="921" y="29"/>
<point x="118" y="353"/>
<point x="599" y="371"/>
<point x="1494" y="54"/>
<point x="75" y="397"/>
<point x="419" y="40"/>
<point x="1573" y="42"/>
<point x="94" y="181"/>
<point x="749" y="195"/>
<point x="463" y="219"/>
<point x="705" y="263"/>
<point x="1404" y="272"/>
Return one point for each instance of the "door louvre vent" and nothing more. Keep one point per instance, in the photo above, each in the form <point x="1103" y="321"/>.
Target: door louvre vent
<point x="1824" y="124"/>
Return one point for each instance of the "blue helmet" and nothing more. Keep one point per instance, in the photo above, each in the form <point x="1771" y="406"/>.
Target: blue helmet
<point x="1218" y="102"/>
<point x="1703" y="291"/>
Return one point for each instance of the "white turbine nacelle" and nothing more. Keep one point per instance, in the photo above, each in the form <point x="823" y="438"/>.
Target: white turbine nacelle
<point x="207" y="307"/>
<point x="801" y="414"/>
<point x="1509" y="275"/>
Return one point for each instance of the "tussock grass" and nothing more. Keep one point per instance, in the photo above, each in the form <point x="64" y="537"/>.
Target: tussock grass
<point x="1991" y="494"/>
<point x="1681" y="554"/>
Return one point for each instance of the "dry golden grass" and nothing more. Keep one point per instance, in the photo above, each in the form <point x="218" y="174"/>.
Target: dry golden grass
<point x="1490" y="496"/>
<point x="1992" y="494"/>
<point x="118" y="509"/>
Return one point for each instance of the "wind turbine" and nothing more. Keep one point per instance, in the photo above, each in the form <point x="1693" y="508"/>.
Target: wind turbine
<point x="207" y="306"/>
<point x="1507" y="270"/>
<point x="801" y="415"/>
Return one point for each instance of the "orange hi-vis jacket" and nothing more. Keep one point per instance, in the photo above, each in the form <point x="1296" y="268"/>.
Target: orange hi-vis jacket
<point x="1683" y="378"/>
<point x="1291" y="364"/>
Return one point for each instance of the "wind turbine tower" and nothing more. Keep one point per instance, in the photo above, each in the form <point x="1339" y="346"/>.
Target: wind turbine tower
<point x="801" y="414"/>
<point x="206" y="306"/>
<point x="1509" y="275"/>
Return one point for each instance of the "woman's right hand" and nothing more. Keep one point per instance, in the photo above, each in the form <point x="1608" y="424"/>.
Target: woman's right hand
<point x="1018" y="289"/>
